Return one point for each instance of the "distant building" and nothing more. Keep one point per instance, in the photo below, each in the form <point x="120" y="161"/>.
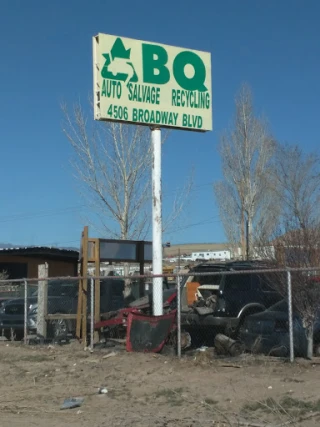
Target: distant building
<point x="211" y="255"/>
<point x="23" y="262"/>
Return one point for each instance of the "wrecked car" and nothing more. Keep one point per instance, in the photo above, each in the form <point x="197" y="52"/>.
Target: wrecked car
<point x="168" y="297"/>
<point x="115" y="324"/>
<point x="62" y="299"/>
<point x="220" y="303"/>
<point x="268" y="332"/>
<point x="210" y="304"/>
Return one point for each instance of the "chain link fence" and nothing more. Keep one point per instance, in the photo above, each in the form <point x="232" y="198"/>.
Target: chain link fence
<point x="273" y="312"/>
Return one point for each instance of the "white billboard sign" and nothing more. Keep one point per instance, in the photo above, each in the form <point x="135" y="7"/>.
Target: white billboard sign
<point x="152" y="84"/>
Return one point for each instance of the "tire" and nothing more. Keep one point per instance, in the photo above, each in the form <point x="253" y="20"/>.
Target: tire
<point x="316" y="349"/>
<point x="168" y="350"/>
<point x="240" y="329"/>
<point x="18" y="335"/>
<point x="231" y="332"/>
<point x="58" y="329"/>
<point x="240" y="326"/>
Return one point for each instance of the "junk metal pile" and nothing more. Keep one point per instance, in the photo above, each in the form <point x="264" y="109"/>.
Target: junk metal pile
<point x="232" y="313"/>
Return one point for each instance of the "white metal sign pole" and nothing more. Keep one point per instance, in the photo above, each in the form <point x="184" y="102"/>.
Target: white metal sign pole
<point x="156" y="221"/>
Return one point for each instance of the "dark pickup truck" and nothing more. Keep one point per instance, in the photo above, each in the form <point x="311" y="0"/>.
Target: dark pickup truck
<point x="62" y="299"/>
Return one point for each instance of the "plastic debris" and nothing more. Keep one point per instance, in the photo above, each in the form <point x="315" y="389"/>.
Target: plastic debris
<point x="103" y="390"/>
<point x="113" y="353"/>
<point x="74" y="402"/>
<point x="203" y="348"/>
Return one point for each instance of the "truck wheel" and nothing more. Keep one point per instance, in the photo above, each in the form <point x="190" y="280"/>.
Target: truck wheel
<point x="240" y="327"/>
<point x="58" y="329"/>
<point x="17" y="335"/>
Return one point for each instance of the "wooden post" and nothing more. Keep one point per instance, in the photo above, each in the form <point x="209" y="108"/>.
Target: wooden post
<point x="141" y="269"/>
<point x="81" y="329"/>
<point x="85" y="285"/>
<point x="42" y="301"/>
<point x="79" y="309"/>
<point x="97" y="305"/>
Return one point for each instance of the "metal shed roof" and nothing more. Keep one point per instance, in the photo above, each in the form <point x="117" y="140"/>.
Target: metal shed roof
<point x="42" y="252"/>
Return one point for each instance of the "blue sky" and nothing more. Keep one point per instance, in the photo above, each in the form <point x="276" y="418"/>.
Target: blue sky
<point x="46" y="58"/>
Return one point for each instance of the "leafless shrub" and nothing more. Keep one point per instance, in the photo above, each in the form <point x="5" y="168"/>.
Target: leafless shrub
<point x="296" y="241"/>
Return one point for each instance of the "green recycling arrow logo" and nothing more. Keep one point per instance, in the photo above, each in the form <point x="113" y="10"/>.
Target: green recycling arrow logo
<point x="117" y="65"/>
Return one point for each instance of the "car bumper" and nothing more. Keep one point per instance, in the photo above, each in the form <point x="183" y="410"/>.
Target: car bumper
<point x="16" y="322"/>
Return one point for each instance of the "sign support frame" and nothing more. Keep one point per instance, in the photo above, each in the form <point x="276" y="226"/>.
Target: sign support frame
<point x="171" y="98"/>
<point x="157" y="304"/>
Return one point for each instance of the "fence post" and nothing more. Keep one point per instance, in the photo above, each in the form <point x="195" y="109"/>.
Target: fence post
<point x="42" y="301"/>
<point x="25" y="325"/>
<point x="290" y="316"/>
<point x="92" y="314"/>
<point x="178" y="317"/>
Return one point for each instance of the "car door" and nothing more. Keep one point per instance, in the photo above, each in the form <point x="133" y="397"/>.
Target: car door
<point x="268" y="288"/>
<point x="237" y="292"/>
<point x="63" y="296"/>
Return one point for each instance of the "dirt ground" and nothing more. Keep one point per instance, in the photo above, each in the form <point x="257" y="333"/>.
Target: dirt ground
<point x="153" y="390"/>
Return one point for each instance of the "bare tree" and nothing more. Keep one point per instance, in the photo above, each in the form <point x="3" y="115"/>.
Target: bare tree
<point x="298" y="184"/>
<point x="245" y="195"/>
<point x="3" y="275"/>
<point x="297" y="239"/>
<point x="112" y="162"/>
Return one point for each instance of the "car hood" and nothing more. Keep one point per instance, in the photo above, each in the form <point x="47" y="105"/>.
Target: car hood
<point x="20" y="301"/>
